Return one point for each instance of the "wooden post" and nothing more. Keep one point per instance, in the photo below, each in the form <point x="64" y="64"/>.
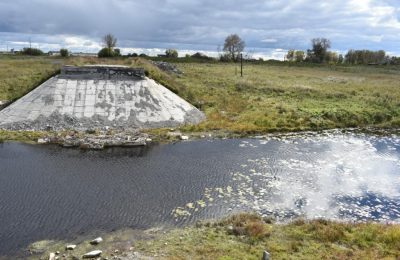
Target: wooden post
<point x="241" y="65"/>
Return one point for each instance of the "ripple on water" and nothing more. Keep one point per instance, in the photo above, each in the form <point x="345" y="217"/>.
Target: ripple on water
<point x="52" y="193"/>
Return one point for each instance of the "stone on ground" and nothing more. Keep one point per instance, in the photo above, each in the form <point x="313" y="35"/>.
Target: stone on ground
<point x="93" y="254"/>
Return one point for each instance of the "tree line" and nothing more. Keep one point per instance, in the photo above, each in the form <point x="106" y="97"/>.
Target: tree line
<point x="234" y="46"/>
<point x="319" y="53"/>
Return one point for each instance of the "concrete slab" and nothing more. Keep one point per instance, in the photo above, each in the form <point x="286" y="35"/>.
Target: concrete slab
<point x="123" y="99"/>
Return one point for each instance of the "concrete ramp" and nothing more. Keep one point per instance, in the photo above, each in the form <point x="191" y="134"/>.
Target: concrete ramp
<point x="96" y="97"/>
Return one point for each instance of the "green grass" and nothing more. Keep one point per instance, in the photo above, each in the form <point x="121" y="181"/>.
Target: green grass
<point x="246" y="236"/>
<point x="290" y="98"/>
<point x="18" y="75"/>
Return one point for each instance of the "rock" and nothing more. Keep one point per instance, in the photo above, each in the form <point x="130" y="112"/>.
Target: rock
<point x="58" y="252"/>
<point x="3" y="103"/>
<point x="265" y="255"/>
<point x="174" y="134"/>
<point x="93" y="254"/>
<point x="184" y="137"/>
<point x="96" y="241"/>
<point x="43" y="140"/>
<point x="70" y="247"/>
<point x="52" y="256"/>
<point x="168" y="67"/>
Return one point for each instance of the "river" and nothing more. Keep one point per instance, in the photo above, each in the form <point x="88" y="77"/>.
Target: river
<point x="48" y="192"/>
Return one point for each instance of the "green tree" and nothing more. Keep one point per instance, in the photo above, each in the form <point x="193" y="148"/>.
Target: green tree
<point x="290" y="55"/>
<point x="233" y="46"/>
<point x="109" y="42"/>
<point x="171" y="53"/>
<point x="340" y="59"/>
<point x="299" y="56"/>
<point x="117" y="52"/>
<point x="105" y="53"/>
<point x="64" y="52"/>
<point x="31" y="51"/>
<point x="319" y="49"/>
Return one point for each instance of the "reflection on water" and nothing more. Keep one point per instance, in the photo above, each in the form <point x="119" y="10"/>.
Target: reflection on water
<point x="331" y="176"/>
<point x="51" y="193"/>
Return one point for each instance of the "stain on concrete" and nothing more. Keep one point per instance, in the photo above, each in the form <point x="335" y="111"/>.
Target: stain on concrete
<point x="48" y="100"/>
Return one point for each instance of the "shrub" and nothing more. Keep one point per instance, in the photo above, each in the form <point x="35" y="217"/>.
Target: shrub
<point x="32" y="51"/>
<point x="117" y="52"/>
<point x="105" y="53"/>
<point x="245" y="224"/>
<point x="171" y="53"/>
<point x="64" y="53"/>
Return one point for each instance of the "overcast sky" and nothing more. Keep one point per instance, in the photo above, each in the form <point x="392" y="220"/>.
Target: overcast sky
<point x="269" y="28"/>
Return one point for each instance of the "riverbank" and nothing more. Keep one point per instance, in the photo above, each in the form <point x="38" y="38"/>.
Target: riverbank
<point x="241" y="236"/>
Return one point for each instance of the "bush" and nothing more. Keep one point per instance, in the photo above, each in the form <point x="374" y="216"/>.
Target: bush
<point x="171" y="53"/>
<point x="105" y="53"/>
<point x="64" y="53"/>
<point x="31" y="51"/>
<point x="247" y="224"/>
<point x="117" y="52"/>
<point x="201" y="56"/>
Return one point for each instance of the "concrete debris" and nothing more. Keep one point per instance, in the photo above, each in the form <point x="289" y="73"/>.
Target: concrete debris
<point x="98" y="97"/>
<point x="167" y="67"/>
<point x="93" y="254"/>
<point x="43" y="140"/>
<point x="102" y="141"/>
<point x="265" y="255"/>
<point x="70" y="247"/>
<point x="52" y="256"/>
<point x="176" y="134"/>
<point x="98" y="139"/>
<point x="96" y="241"/>
<point x="3" y="103"/>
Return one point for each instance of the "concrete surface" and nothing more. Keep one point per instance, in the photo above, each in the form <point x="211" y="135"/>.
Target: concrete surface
<point x="99" y="96"/>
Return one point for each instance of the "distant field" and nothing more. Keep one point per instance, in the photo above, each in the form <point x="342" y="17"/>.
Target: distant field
<point x="284" y="98"/>
<point x="270" y="97"/>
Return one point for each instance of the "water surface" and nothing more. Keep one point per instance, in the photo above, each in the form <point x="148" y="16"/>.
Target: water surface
<point x="47" y="192"/>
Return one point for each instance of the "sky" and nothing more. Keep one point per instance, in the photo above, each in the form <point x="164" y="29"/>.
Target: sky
<point x="269" y="28"/>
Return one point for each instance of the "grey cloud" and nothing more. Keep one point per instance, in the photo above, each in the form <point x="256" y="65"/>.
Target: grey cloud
<point x="204" y="24"/>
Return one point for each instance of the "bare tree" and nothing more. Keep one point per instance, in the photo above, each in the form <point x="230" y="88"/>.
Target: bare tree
<point x="233" y="46"/>
<point x="109" y="41"/>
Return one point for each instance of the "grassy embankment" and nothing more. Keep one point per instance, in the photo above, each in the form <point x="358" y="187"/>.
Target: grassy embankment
<point x="246" y="236"/>
<point x="270" y="97"/>
<point x="292" y="98"/>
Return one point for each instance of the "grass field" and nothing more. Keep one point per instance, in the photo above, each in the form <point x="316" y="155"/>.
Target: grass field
<point x="246" y="236"/>
<point x="270" y="97"/>
<point x="290" y="98"/>
<point x="18" y="75"/>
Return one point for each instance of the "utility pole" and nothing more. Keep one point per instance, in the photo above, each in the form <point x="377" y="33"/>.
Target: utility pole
<point x="241" y="65"/>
